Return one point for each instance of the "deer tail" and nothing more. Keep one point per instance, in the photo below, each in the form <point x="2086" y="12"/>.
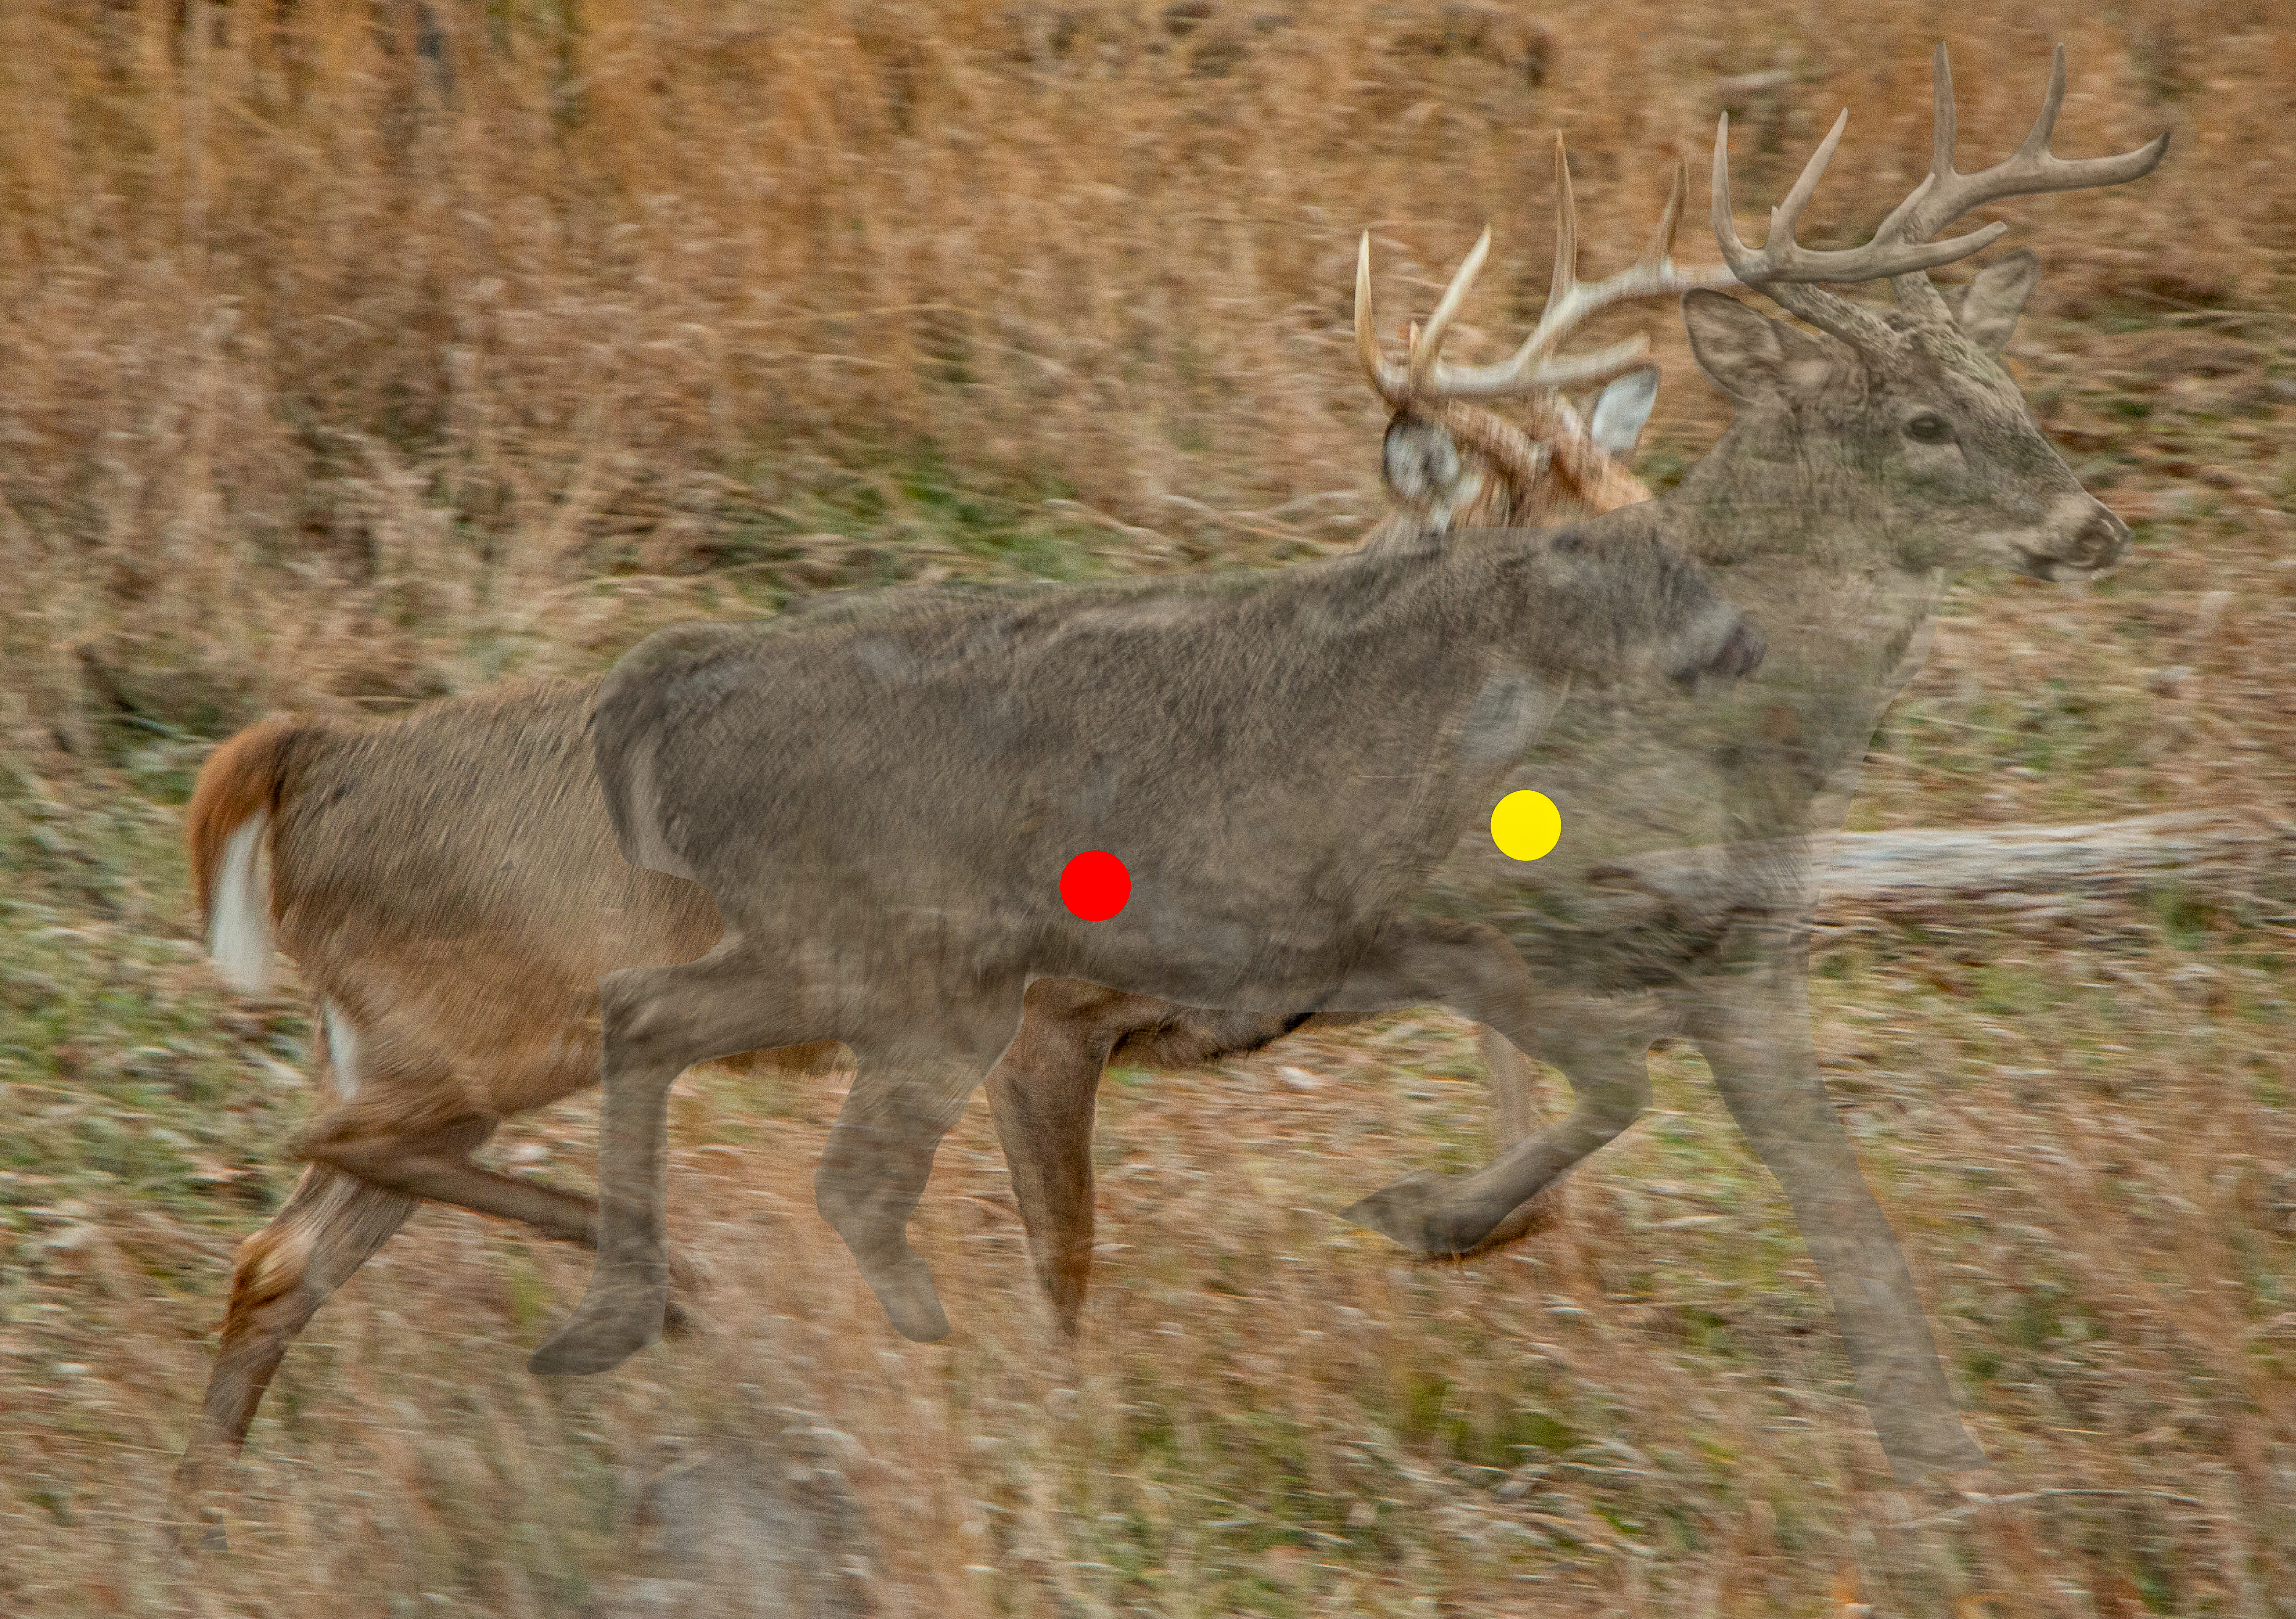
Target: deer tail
<point x="226" y="826"/>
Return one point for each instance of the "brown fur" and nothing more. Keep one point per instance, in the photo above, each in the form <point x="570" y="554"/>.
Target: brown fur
<point x="449" y="886"/>
<point x="240" y="778"/>
<point x="473" y="989"/>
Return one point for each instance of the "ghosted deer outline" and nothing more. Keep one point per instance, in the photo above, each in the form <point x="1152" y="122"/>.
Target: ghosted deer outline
<point x="454" y="976"/>
<point x="1719" y="957"/>
<point x="1939" y="459"/>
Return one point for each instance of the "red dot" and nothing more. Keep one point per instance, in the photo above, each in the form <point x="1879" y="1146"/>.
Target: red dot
<point x="1096" y="885"/>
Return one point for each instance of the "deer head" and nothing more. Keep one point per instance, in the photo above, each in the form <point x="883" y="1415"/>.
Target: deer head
<point x="1911" y="404"/>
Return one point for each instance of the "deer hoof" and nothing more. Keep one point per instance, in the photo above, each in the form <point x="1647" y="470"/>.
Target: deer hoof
<point x="191" y="1520"/>
<point x="1411" y="1213"/>
<point x="598" y="1338"/>
<point x="911" y="1303"/>
<point x="195" y="1529"/>
<point x="1943" y="1454"/>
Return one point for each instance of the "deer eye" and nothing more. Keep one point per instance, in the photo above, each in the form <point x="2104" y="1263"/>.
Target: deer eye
<point x="1929" y="428"/>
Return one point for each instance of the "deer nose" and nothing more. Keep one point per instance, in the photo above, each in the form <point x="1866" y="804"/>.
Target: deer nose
<point x="2098" y="543"/>
<point x="2090" y="540"/>
<point x="1738" y="653"/>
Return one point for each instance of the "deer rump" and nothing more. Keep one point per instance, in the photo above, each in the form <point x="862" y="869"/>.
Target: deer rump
<point x="1278" y="758"/>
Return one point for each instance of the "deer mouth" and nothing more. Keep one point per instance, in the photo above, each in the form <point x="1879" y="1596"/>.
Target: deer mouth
<point x="2091" y="543"/>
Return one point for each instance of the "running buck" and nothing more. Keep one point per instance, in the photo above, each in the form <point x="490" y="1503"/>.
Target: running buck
<point x="1863" y="469"/>
<point x="883" y="810"/>
<point x="1863" y="465"/>
<point x="881" y="816"/>
<point x="454" y="975"/>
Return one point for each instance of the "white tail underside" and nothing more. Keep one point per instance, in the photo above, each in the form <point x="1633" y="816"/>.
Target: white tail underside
<point x="239" y="925"/>
<point x="342" y="1049"/>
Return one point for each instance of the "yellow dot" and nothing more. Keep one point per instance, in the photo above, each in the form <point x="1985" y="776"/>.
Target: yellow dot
<point x="1526" y="825"/>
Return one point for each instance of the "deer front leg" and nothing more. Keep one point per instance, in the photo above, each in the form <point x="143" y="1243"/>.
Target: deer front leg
<point x="1472" y="969"/>
<point x="911" y="1087"/>
<point x="1509" y="1077"/>
<point x="657" y="1021"/>
<point x="1754" y="1030"/>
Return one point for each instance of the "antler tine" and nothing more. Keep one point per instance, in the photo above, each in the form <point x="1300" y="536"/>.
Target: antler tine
<point x="1399" y="384"/>
<point x="2036" y="143"/>
<point x="1945" y="121"/>
<point x="1390" y="381"/>
<point x="1787" y="214"/>
<point x="2032" y="168"/>
<point x="1782" y="260"/>
<point x="1426" y="353"/>
<point x="1533" y="368"/>
<point x="1564" y="279"/>
<point x="1661" y="247"/>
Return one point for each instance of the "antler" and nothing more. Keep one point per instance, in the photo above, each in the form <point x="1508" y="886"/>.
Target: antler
<point x="1534" y="369"/>
<point x="1534" y="372"/>
<point x="1783" y="268"/>
<point x="1945" y="195"/>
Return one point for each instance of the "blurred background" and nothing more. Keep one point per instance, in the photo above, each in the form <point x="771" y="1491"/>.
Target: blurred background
<point x="356" y="354"/>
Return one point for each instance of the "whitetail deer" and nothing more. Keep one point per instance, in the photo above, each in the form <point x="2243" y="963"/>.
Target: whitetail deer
<point x="1844" y="567"/>
<point x="454" y="975"/>
<point x="1281" y="757"/>
<point x="1862" y="464"/>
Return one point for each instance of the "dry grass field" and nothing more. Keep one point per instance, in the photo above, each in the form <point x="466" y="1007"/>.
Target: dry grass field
<point x="356" y="354"/>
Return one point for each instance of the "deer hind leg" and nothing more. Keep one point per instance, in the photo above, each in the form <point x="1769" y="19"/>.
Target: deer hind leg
<point x="1042" y="1096"/>
<point x="657" y="1022"/>
<point x="403" y="1121"/>
<point x="329" y="1227"/>
<point x="433" y="1163"/>
<point x="1472" y="970"/>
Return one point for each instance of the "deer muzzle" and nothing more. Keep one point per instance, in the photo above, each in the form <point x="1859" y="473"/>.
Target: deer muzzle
<point x="1729" y="649"/>
<point x="2085" y="541"/>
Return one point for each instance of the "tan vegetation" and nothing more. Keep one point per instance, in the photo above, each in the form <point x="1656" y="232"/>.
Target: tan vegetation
<point x="349" y="354"/>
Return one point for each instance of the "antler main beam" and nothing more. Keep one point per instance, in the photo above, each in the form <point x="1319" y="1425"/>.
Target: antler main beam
<point x="1781" y="258"/>
<point x="1944" y="196"/>
<point x="1900" y="246"/>
<point x="1534" y="369"/>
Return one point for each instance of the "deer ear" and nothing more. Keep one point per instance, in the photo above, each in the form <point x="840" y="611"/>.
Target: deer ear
<point x="1749" y="356"/>
<point x="1986" y="308"/>
<point x="1622" y="409"/>
<point x="1421" y="466"/>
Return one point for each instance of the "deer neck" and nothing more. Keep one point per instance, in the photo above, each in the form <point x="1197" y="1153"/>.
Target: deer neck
<point x="1764" y="490"/>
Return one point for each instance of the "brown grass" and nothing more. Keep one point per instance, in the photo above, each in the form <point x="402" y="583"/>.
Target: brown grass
<point x="348" y="355"/>
<point x="337" y="338"/>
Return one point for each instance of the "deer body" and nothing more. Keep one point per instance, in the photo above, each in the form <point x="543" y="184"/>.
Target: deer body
<point x="883" y="836"/>
<point x="1279" y="758"/>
